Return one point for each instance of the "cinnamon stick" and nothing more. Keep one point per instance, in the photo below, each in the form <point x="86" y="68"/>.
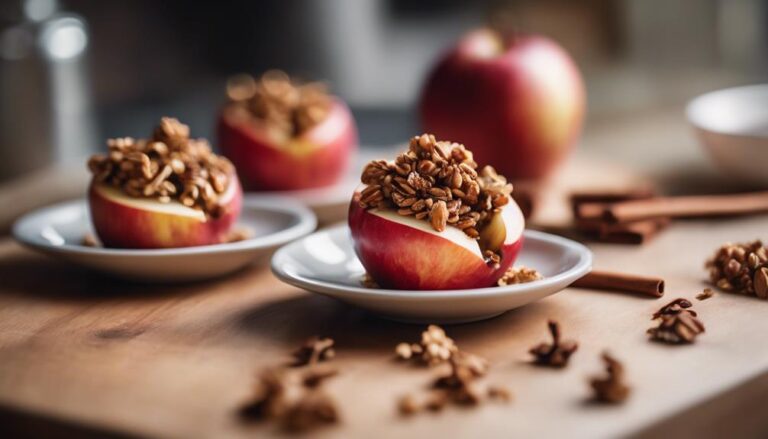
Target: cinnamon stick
<point x="589" y="207"/>
<point x="612" y="281"/>
<point x="609" y="196"/>
<point x="699" y="206"/>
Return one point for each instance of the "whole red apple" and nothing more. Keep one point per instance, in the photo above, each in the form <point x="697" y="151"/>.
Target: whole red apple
<point x="122" y="221"/>
<point x="318" y="157"/>
<point x="402" y="252"/>
<point x="519" y="101"/>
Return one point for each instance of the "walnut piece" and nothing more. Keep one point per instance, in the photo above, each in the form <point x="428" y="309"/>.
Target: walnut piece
<point x="678" y="324"/>
<point x="740" y="268"/>
<point x="557" y="353"/>
<point x="298" y="403"/>
<point x="313" y="351"/>
<point x="705" y="294"/>
<point x="610" y="388"/>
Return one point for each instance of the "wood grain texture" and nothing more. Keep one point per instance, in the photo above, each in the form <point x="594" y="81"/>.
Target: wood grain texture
<point x="177" y="361"/>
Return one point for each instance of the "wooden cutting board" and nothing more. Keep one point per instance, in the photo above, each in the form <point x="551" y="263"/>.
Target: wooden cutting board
<point x="87" y="354"/>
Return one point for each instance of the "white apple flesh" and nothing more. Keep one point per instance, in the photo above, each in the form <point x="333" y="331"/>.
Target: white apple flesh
<point x="404" y="253"/>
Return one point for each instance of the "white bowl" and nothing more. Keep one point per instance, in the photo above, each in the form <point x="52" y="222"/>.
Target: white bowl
<point x="733" y="126"/>
<point x="58" y="231"/>
<point x="325" y="263"/>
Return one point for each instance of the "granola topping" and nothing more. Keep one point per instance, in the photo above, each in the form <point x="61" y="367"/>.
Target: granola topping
<point x="438" y="182"/>
<point x="286" y="108"/>
<point x="740" y="268"/>
<point x="167" y="166"/>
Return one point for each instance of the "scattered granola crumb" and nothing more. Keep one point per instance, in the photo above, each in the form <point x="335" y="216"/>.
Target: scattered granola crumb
<point x="557" y="353"/>
<point x="239" y="234"/>
<point x="519" y="275"/>
<point x="368" y="282"/>
<point x="313" y="351"/>
<point x="459" y="386"/>
<point x="677" y="323"/>
<point x="315" y="409"/>
<point x="407" y="405"/>
<point x="706" y="294"/>
<point x="499" y="393"/>
<point x="434" y="348"/>
<point x="269" y="397"/>
<point x="610" y="388"/>
<point x="90" y="240"/>
<point x="297" y="402"/>
<point x="740" y="268"/>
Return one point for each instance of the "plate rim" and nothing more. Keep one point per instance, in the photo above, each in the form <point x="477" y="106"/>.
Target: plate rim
<point x="581" y="268"/>
<point x="307" y="223"/>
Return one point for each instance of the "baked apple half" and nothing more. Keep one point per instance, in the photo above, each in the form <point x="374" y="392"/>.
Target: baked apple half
<point x="165" y="191"/>
<point x="430" y="221"/>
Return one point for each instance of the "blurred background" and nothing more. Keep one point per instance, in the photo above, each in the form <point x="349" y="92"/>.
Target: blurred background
<point x="74" y="72"/>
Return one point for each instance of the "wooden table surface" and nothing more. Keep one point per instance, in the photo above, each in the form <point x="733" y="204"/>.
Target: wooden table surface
<point x="82" y="353"/>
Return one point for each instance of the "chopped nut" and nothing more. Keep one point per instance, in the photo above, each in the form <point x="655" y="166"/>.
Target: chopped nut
<point x="90" y="240"/>
<point x="740" y="268"/>
<point x="438" y="181"/>
<point x="499" y="393"/>
<point x="313" y="351"/>
<point x="298" y="405"/>
<point x="610" y="388"/>
<point x="706" y="294"/>
<point x="677" y="323"/>
<point x="168" y="166"/>
<point x="557" y="353"/>
<point x="404" y="351"/>
<point x="317" y="375"/>
<point x="269" y="399"/>
<point x="239" y="234"/>
<point x="519" y="275"/>
<point x="368" y="282"/>
<point x="407" y="405"/>
<point x="314" y="410"/>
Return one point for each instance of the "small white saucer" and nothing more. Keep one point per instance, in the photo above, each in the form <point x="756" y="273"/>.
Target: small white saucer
<point x="59" y="230"/>
<point x="325" y="263"/>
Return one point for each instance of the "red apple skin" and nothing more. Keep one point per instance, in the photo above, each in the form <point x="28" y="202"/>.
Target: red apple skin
<point x="518" y="108"/>
<point x="317" y="158"/>
<point x="119" y="223"/>
<point x="401" y="257"/>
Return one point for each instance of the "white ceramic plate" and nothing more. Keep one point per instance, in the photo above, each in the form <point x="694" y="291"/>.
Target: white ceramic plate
<point x="732" y="124"/>
<point x="325" y="263"/>
<point x="331" y="204"/>
<point x="58" y="231"/>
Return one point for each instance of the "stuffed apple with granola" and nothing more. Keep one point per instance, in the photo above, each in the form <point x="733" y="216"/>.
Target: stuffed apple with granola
<point x="285" y="135"/>
<point x="166" y="191"/>
<point x="430" y="220"/>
